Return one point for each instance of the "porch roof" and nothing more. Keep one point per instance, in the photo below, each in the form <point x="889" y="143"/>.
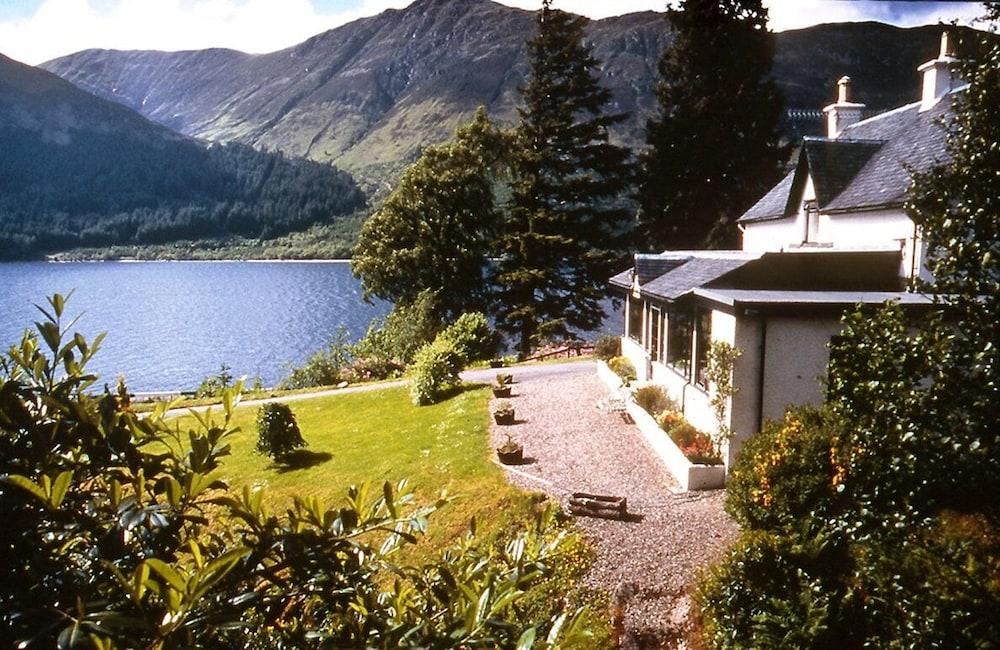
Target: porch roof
<point x="779" y="298"/>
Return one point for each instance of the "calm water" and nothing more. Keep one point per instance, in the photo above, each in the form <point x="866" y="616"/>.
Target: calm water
<point x="170" y="324"/>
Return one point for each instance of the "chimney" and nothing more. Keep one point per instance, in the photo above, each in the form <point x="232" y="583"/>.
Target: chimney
<point x="844" y="113"/>
<point x="938" y="76"/>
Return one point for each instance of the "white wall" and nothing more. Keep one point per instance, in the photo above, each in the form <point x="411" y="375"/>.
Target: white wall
<point x="772" y="235"/>
<point x="796" y="357"/>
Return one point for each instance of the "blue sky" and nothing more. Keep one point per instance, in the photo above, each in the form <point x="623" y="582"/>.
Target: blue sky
<point x="34" y="31"/>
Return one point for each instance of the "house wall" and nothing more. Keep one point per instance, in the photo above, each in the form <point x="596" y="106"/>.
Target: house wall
<point x="796" y="357"/>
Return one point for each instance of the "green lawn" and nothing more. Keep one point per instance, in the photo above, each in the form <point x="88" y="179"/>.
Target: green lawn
<point x="380" y="436"/>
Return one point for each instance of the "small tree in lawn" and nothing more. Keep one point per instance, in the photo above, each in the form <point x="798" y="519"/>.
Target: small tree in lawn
<point x="278" y="433"/>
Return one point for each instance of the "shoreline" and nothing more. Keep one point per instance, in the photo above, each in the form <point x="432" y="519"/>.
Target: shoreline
<point x="126" y="260"/>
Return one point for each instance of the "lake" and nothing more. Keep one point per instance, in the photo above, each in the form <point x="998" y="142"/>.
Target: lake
<point x="170" y="324"/>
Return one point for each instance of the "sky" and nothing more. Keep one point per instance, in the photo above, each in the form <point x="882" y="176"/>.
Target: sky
<point x="34" y="31"/>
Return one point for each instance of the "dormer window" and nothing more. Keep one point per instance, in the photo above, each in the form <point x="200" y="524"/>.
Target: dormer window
<point x="811" y="234"/>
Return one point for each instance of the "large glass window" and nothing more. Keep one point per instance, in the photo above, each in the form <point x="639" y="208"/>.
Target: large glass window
<point x="679" y="330"/>
<point x="654" y="333"/>
<point x="635" y="319"/>
<point x="703" y="339"/>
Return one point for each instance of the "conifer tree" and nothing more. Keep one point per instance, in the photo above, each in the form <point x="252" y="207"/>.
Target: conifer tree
<point x="567" y="222"/>
<point x="713" y="149"/>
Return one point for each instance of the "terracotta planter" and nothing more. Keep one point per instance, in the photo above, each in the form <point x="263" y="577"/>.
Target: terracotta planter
<point x="501" y="392"/>
<point x="514" y="457"/>
<point x="504" y="418"/>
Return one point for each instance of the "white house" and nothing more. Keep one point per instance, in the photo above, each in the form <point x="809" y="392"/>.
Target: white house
<point x="832" y="234"/>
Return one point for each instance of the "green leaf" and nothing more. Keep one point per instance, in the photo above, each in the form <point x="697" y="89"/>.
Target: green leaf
<point x="527" y="639"/>
<point x="27" y="484"/>
<point x="168" y="573"/>
<point x="59" y="487"/>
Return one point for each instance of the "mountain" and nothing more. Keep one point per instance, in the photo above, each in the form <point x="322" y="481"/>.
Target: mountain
<point x="80" y="170"/>
<point x="368" y="95"/>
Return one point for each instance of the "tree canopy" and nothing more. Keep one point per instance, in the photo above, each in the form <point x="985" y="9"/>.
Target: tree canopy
<point x="434" y="232"/>
<point x="713" y="146"/>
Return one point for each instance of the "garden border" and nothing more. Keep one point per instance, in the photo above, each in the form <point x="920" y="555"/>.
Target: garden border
<point x="690" y="475"/>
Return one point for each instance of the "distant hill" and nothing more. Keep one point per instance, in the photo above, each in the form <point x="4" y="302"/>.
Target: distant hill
<point x="77" y="170"/>
<point x="368" y="95"/>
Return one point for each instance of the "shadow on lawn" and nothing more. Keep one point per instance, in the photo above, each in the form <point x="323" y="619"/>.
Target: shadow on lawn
<point x="301" y="459"/>
<point x="455" y="391"/>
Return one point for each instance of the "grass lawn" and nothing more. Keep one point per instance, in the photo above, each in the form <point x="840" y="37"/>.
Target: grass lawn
<point x="380" y="436"/>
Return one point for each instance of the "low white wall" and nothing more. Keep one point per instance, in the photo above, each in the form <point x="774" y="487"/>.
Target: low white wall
<point x="689" y="475"/>
<point x="638" y="356"/>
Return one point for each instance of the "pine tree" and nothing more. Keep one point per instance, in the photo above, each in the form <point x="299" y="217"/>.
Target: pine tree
<point x="713" y="150"/>
<point x="567" y="221"/>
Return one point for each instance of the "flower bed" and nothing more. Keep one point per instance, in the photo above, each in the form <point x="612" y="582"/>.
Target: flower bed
<point x="690" y="475"/>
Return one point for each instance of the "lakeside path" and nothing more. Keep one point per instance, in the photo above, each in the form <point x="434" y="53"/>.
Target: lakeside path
<point x="478" y="375"/>
<point x="573" y="443"/>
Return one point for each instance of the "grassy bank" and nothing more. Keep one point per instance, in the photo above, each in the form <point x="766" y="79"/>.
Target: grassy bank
<point x="380" y="435"/>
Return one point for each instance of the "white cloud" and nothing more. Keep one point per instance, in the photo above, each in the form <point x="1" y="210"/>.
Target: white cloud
<point x="59" y="27"/>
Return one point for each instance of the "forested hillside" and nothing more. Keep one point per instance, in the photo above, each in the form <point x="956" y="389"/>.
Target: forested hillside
<point x="77" y="170"/>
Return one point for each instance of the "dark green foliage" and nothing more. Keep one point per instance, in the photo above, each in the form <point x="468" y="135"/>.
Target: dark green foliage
<point x="435" y="231"/>
<point x="785" y="474"/>
<point x="118" y="532"/>
<point x="277" y="431"/>
<point x="564" y="231"/>
<point x="912" y="440"/>
<point x="97" y="193"/>
<point x="473" y="337"/>
<point x="779" y="591"/>
<point x="607" y="346"/>
<point x="713" y="146"/>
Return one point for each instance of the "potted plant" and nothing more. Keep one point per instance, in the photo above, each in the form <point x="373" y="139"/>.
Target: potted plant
<point x="501" y="390"/>
<point x="510" y="453"/>
<point x="497" y="363"/>
<point x="504" y="412"/>
<point x="505" y="378"/>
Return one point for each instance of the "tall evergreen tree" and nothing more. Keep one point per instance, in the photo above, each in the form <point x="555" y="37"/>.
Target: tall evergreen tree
<point x="566" y="224"/>
<point x="713" y="149"/>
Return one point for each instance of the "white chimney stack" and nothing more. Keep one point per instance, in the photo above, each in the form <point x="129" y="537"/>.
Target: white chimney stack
<point x="938" y="77"/>
<point x="844" y="113"/>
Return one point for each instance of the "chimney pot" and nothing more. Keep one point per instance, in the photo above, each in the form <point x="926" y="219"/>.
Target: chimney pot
<point x="843" y="90"/>
<point x="938" y="76"/>
<point x="843" y="113"/>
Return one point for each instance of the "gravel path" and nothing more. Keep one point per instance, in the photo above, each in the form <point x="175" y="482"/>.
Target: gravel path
<point x="646" y="565"/>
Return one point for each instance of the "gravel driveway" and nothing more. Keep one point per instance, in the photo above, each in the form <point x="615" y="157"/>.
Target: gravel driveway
<point x="646" y="565"/>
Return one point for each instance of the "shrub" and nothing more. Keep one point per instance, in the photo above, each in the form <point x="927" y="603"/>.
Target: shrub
<point x="696" y="445"/>
<point x="407" y="328"/>
<point x="772" y="592"/>
<point x="785" y="473"/>
<point x="622" y="367"/>
<point x="371" y="369"/>
<point x="277" y="431"/>
<point x="473" y="337"/>
<point x="654" y="399"/>
<point x="324" y="367"/>
<point x="607" y="347"/>
<point x="126" y="535"/>
<point x="214" y="385"/>
<point x="435" y="369"/>
<point x="669" y="419"/>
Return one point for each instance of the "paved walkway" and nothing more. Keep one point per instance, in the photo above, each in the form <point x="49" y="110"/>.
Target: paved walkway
<point x="571" y="445"/>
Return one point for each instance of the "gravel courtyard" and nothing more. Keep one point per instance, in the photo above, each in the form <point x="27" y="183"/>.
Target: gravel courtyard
<point x="572" y="444"/>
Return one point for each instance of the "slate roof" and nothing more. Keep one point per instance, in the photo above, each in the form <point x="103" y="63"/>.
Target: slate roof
<point x="765" y="298"/>
<point x="867" y="167"/>
<point x="670" y="275"/>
